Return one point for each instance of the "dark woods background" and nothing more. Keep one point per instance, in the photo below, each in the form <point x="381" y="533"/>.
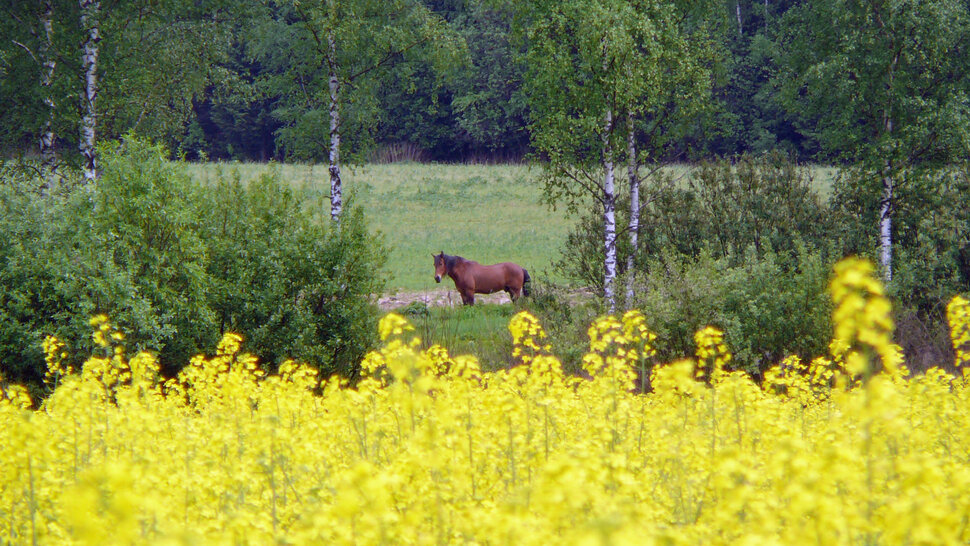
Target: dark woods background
<point x="223" y="80"/>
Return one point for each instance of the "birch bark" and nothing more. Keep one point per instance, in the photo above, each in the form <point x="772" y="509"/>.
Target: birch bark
<point x="336" y="187"/>
<point x="631" y="145"/>
<point x="886" y="216"/>
<point x="47" y="58"/>
<point x="90" y="14"/>
<point x="609" y="214"/>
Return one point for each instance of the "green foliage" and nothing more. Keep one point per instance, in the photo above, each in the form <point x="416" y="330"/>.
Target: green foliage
<point x="742" y="246"/>
<point x="768" y="308"/>
<point x="489" y="103"/>
<point x="291" y="283"/>
<point x="175" y="265"/>
<point x="931" y="225"/>
<point x="766" y="201"/>
<point x="155" y="58"/>
<point x="369" y="37"/>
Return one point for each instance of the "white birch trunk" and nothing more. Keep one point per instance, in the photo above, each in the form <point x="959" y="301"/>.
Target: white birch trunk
<point x="631" y="145"/>
<point x="885" y="229"/>
<point x="336" y="189"/>
<point x="90" y="12"/>
<point x="885" y="216"/>
<point x="737" y="6"/>
<point x="609" y="215"/>
<point x="46" y="56"/>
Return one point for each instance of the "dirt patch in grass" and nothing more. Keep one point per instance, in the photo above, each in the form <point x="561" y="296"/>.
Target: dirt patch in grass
<point x="434" y="298"/>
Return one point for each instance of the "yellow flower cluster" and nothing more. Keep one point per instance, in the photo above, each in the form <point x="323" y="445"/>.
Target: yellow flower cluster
<point x="958" y="315"/>
<point x="863" y="320"/>
<point x="426" y="448"/>
<point x="55" y="355"/>
<point x="712" y="353"/>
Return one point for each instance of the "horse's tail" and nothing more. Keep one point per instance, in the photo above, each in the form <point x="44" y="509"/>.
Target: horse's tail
<point x="526" y="281"/>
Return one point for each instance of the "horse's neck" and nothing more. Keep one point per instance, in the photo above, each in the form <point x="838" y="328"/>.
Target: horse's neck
<point x="456" y="268"/>
<point x="452" y="263"/>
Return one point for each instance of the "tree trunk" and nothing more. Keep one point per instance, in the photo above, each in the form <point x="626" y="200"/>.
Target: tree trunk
<point x="631" y="144"/>
<point x="90" y="12"/>
<point x="336" y="189"/>
<point x="47" y="58"/>
<point x="886" y="221"/>
<point x="609" y="215"/>
<point x="885" y="229"/>
<point x="737" y="10"/>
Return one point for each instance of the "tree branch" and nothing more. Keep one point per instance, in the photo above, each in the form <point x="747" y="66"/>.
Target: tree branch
<point x="27" y="49"/>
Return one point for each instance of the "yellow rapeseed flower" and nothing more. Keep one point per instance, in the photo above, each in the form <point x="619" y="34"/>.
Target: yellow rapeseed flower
<point x="958" y="315"/>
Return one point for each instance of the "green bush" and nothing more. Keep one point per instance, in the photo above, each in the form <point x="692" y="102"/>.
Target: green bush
<point x="931" y="249"/>
<point x="175" y="265"/>
<point x="723" y="208"/>
<point x="292" y="283"/>
<point x="741" y="246"/>
<point x="931" y="231"/>
<point x="767" y="310"/>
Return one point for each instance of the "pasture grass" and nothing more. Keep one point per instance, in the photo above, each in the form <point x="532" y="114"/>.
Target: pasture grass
<point x="481" y="330"/>
<point x="487" y="213"/>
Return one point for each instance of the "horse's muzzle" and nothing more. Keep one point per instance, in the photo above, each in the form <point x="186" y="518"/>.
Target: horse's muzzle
<point x="437" y="278"/>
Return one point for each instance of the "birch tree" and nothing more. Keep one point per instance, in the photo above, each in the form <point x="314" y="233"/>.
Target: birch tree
<point x="883" y="85"/>
<point x="91" y="28"/>
<point x="29" y="29"/>
<point x="334" y="51"/>
<point x="591" y="64"/>
<point x="47" y="79"/>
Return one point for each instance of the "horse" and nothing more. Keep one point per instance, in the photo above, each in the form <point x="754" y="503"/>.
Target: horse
<point x="474" y="278"/>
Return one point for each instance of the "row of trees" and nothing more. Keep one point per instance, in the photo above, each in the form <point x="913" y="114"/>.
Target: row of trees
<point x="585" y="86"/>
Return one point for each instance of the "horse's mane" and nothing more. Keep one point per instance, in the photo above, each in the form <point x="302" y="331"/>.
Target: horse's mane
<point x="452" y="261"/>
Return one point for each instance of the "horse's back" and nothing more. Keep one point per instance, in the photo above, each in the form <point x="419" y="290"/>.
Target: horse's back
<point x="495" y="277"/>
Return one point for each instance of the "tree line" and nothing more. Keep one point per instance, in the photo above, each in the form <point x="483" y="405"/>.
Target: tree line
<point x="583" y="87"/>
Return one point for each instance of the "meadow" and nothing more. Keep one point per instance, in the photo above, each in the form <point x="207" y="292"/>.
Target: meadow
<point x="487" y="213"/>
<point x="428" y="448"/>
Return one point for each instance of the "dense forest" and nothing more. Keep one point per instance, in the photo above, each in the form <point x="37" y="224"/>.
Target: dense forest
<point x="447" y="80"/>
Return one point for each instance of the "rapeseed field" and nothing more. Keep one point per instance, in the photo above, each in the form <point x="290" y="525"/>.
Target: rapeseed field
<point x="426" y="448"/>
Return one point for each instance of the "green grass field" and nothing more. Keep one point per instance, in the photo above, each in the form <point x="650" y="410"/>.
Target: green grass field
<point x="487" y="213"/>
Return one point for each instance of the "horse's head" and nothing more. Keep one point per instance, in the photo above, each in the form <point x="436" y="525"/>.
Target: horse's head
<point x="440" y="270"/>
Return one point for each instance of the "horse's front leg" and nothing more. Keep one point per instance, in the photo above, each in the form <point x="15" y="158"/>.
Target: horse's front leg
<point x="467" y="296"/>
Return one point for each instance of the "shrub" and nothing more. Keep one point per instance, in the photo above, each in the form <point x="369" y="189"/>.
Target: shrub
<point x="175" y="265"/>
<point x="292" y="283"/>
<point x="125" y="247"/>
<point x="767" y="310"/>
<point x="931" y="248"/>
<point x="743" y="246"/>
<point x="767" y="202"/>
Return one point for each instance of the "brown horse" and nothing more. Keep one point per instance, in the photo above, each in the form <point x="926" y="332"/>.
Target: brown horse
<point x="474" y="278"/>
